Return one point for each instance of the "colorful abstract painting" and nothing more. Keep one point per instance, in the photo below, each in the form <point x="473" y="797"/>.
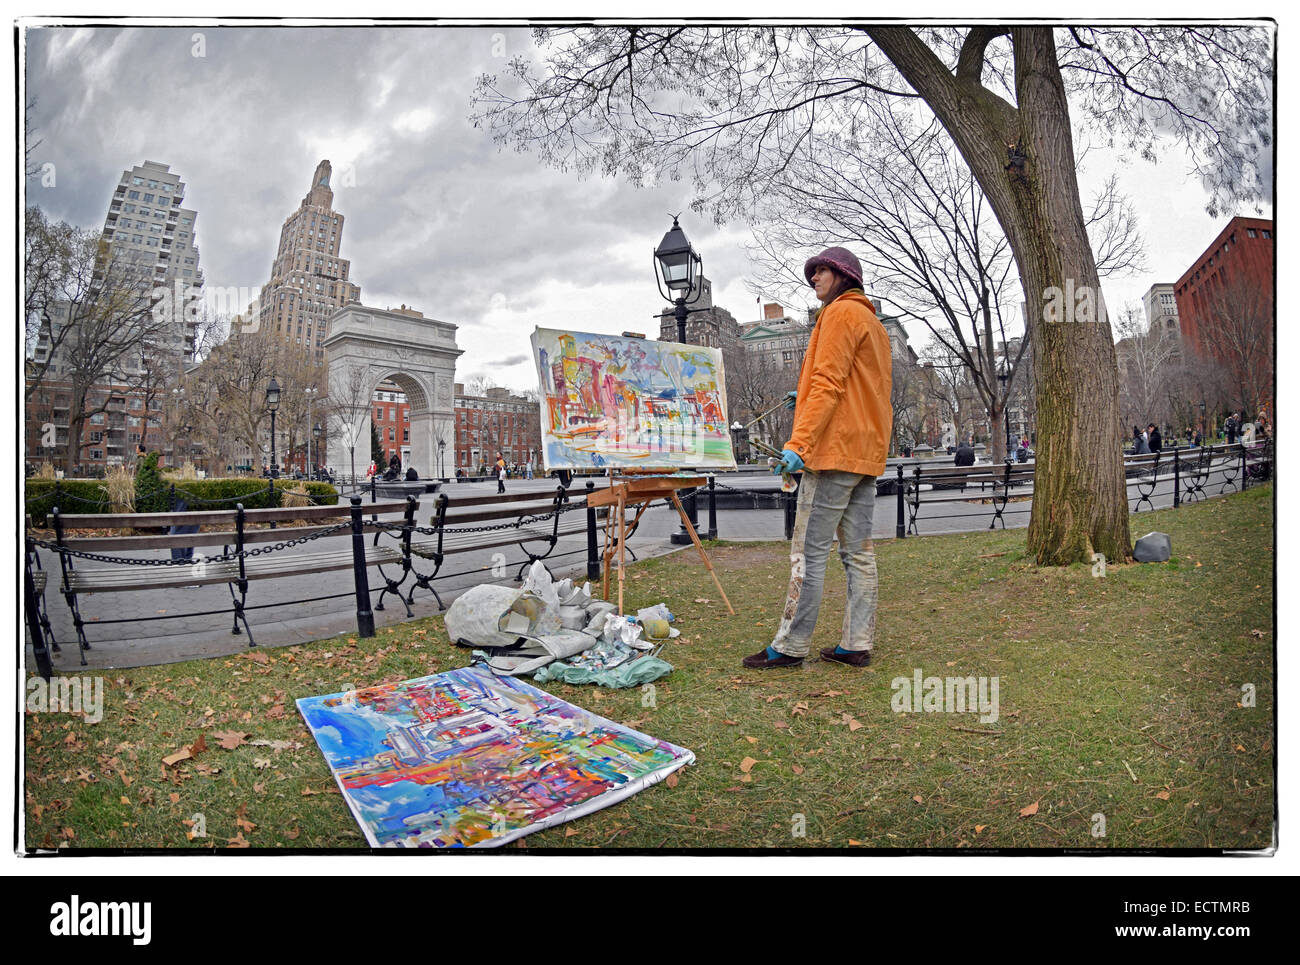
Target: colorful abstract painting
<point x="465" y="759"/>
<point x="620" y="402"/>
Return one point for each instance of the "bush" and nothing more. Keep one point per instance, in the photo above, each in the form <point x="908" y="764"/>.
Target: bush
<point x="71" y="496"/>
<point x="89" y="496"/>
<point x="151" y="494"/>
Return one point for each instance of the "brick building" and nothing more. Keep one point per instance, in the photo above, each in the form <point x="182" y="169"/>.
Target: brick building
<point x="1232" y="274"/>
<point x="497" y="421"/>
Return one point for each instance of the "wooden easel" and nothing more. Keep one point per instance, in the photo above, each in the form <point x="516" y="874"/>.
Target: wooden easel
<point x="640" y="491"/>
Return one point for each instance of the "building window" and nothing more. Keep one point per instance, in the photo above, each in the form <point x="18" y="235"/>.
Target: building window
<point x="1250" y="233"/>
<point x="1268" y="234"/>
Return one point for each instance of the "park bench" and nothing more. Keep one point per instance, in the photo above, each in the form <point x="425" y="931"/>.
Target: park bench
<point x="240" y="561"/>
<point x="1145" y="471"/>
<point x="534" y="521"/>
<point x="948" y="483"/>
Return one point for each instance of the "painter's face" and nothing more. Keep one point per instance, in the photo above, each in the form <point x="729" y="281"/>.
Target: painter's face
<point x="823" y="282"/>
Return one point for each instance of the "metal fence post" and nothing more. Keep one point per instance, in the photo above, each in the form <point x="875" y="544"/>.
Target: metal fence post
<point x="900" y="527"/>
<point x="1177" y="474"/>
<point x="713" y="512"/>
<point x="365" y="617"/>
<point x="41" y="651"/>
<point x="593" y="557"/>
<point x="1244" y="477"/>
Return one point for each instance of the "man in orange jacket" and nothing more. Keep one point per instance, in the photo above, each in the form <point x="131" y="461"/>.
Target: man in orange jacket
<point x="840" y="439"/>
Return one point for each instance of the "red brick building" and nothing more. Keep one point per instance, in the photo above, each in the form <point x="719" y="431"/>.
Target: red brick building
<point x="1233" y="277"/>
<point x="498" y="421"/>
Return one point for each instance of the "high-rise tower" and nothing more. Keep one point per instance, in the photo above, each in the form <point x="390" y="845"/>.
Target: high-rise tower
<point x="308" y="278"/>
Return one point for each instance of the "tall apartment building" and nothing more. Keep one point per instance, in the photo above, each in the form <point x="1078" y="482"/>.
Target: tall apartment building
<point x="308" y="278"/>
<point x="151" y="246"/>
<point x="1161" y="308"/>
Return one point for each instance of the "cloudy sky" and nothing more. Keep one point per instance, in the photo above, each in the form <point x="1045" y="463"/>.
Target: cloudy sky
<point x="437" y="217"/>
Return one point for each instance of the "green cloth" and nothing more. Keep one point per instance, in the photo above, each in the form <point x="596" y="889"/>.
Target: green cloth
<point x="630" y="674"/>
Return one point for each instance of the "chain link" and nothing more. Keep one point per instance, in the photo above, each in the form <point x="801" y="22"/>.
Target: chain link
<point x="225" y="557"/>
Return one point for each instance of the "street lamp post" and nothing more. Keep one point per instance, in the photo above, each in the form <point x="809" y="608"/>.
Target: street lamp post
<point x="680" y="269"/>
<point x="442" y="448"/>
<point x="311" y="394"/>
<point x="273" y="403"/>
<point x="1003" y="375"/>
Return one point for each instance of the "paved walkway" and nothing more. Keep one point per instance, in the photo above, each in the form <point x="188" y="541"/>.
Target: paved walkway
<point x="164" y="641"/>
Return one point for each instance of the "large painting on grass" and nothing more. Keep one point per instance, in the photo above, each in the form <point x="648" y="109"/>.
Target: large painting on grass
<point x="466" y="759"/>
<point x="620" y="402"/>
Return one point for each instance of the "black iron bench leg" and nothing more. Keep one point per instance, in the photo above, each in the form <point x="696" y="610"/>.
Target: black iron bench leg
<point x="394" y="587"/>
<point x="425" y="581"/>
<point x="44" y="616"/>
<point x="239" y="611"/>
<point x="82" y="643"/>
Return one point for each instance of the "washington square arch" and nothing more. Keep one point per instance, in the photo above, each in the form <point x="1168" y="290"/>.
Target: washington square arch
<point x="366" y="346"/>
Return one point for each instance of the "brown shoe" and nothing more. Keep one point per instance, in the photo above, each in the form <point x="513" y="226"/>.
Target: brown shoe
<point x="857" y="658"/>
<point x="761" y="661"/>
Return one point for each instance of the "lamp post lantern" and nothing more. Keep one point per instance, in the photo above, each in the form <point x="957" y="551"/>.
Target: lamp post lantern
<point x="442" y="448"/>
<point x="273" y="403"/>
<point x="680" y="270"/>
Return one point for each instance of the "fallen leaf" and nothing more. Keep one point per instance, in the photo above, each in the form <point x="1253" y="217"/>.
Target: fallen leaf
<point x="747" y="765"/>
<point x="199" y="746"/>
<point x="797" y="768"/>
<point x="172" y="760"/>
<point x="799" y="709"/>
<point x="1163" y="795"/>
<point x="746" y="778"/>
<point x="917" y="799"/>
<point x="238" y="841"/>
<point x="780" y="725"/>
<point x="276" y="712"/>
<point x="1029" y="811"/>
<point x="752" y="740"/>
<point x="124" y="800"/>
<point x="854" y="725"/>
<point x="174" y="797"/>
<point x="570" y="832"/>
<point x="230" y="739"/>
<point x="980" y="827"/>
<point x="671" y="779"/>
<point x="292" y="834"/>
<point x="241" y="820"/>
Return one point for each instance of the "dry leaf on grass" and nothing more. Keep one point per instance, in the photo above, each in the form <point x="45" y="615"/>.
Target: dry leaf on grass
<point x="230" y="739"/>
<point x="1028" y="812"/>
<point x="797" y="768"/>
<point x="171" y="760"/>
<point x="671" y="779"/>
<point x="747" y="765"/>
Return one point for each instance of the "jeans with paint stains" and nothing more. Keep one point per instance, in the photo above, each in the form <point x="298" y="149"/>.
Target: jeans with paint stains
<point x="831" y="504"/>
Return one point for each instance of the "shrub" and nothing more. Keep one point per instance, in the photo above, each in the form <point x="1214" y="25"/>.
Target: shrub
<point x="90" y="496"/>
<point x="151" y="494"/>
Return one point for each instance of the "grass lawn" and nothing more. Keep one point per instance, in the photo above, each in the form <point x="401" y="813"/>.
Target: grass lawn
<point x="1120" y="698"/>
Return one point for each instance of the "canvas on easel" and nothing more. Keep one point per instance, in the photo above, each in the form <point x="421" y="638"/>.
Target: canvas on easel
<point x="652" y="413"/>
<point x="620" y="402"/>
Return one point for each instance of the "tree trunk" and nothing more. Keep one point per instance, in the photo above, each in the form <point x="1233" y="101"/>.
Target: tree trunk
<point x="1080" y="500"/>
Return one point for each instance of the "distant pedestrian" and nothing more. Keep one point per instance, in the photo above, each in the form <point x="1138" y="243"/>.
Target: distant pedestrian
<point x="1153" y="437"/>
<point x="1140" y="446"/>
<point x="501" y="473"/>
<point x="1231" y="428"/>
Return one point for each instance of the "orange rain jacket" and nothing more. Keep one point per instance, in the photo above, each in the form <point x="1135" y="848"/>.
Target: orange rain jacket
<point x="843" y="418"/>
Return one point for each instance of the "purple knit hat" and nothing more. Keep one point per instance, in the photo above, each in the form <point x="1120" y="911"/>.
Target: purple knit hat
<point x="841" y="259"/>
